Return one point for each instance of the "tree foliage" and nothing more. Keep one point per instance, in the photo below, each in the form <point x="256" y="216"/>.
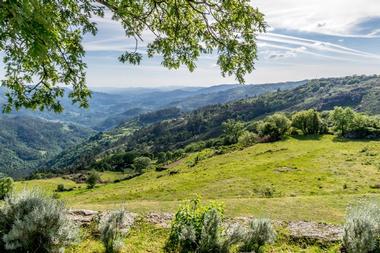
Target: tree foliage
<point x="141" y="163"/>
<point x="6" y="187"/>
<point x="342" y="119"/>
<point x="309" y="121"/>
<point x="42" y="41"/>
<point x="92" y="179"/>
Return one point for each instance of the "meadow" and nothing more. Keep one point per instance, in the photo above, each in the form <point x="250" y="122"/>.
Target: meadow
<point x="300" y="178"/>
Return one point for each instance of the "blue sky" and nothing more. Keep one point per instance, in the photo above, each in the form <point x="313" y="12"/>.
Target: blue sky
<point x="306" y="39"/>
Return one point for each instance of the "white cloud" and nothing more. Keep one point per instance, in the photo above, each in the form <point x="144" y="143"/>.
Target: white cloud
<point x="332" y="17"/>
<point x="315" y="45"/>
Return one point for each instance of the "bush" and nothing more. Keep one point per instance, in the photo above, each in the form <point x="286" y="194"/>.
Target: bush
<point x="141" y="163"/>
<point x="232" y="130"/>
<point x="361" y="230"/>
<point x="309" y="122"/>
<point x="60" y="188"/>
<point x="112" y="229"/>
<point x="247" y="139"/>
<point x="6" y="187"/>
<point x="259" y="233"/>
<point x="31" y="222"/>
<point x="274" y="127"/>
<point x="197" y="228"/>
<point x="92" y="179"/>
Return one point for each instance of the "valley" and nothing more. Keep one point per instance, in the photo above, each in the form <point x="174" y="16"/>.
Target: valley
<point x="302" y="156"/>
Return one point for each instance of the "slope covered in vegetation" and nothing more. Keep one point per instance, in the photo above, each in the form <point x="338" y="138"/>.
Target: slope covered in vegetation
<point x="23" y="145"/>
<point x="358" y="92"/>
<point x="302" y="178"/>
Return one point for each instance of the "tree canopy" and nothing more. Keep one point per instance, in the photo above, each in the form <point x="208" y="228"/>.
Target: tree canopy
<point x="41" y="41"/>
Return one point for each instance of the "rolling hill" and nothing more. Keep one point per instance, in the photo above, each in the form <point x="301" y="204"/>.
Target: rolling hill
<point x="358" y="92"/>
<point x="301" y="178"/>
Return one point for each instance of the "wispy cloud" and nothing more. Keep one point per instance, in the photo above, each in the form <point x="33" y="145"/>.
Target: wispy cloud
<point x="315" y="45"/>
<point x="331" y="17"/>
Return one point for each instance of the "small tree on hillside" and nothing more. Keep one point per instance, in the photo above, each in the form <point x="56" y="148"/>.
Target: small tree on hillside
<point x="141" y="163"/>
<point x="92" y="179"/>
<point x="281" y="122"/>
<point x="232" y="130"/>
<point x="342" y="119"/>
<point x="309" y="122"/>
<point x="6" y="187"/>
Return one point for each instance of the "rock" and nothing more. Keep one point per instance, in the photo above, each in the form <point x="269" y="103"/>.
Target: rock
<point x="160" y="219"/>
<point x="315" y="231"/>
<point x="82" y="216"/>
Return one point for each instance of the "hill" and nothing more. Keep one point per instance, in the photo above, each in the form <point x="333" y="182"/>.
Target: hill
<point x="25" y="142"/>
<point x="358" y="92"/>
<point x="303" y="178"/>
<point x="187" y="99"/>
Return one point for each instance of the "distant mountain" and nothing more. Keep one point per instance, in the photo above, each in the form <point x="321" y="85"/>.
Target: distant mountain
<point x="25" y="142"/>
<point x="189" y="99"/>
<point x="233" y="92"/>
<point x="359" y="92"/>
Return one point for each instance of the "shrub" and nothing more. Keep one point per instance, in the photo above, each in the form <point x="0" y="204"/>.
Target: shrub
<point x="273" y="127"/>
<point x="342" y="119"/>
<point x="309" y="122"/>
<point x="92" y="179"/>
<point x="361" y="230"/>
<point x="247" y="139"/>
<point x="259" y="233"/>
<point x="60" y="188"/>
<point x="141" y="163"/>
<point x="232" y="130"/>
<point x="6" y="187"/>
<point x="112" y="229"/>
<point x="32" y="222"/>
<point x="197" y="228"/>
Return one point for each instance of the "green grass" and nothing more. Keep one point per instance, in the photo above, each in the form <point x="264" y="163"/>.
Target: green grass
<point x="304" y="178"/>
<point x="145" y="237"/>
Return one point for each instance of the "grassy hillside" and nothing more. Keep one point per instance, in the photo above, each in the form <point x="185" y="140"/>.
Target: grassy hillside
<point x="26" y="141"/>
<point x="205" y="123"/>
<point x="311" y="178"/>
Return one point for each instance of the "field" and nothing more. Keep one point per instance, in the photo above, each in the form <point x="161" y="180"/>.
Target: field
<point x="303" y="178"/>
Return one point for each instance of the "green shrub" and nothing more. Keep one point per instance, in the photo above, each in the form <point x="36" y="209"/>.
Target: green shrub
<point x="361" y="229"/>
<point x="232" y="130"/>
<point x="309" y="122"/>
<point x="197" y="228"/>
<point x="113" y="228"/>
<point x="32" y="222"/>
<point x="92" y="179"/>
<point x="258" y="233"/>
<point x="141" y="163"/>
<point x="6" y="187"/>
<point x="60" y="188"/>
<point x="247" y="139"/>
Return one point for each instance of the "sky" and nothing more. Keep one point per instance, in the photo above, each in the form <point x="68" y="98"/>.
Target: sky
<point x="306" y="39"/>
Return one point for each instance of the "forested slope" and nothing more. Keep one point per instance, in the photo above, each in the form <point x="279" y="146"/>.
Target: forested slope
<point x="358" y="92"/>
